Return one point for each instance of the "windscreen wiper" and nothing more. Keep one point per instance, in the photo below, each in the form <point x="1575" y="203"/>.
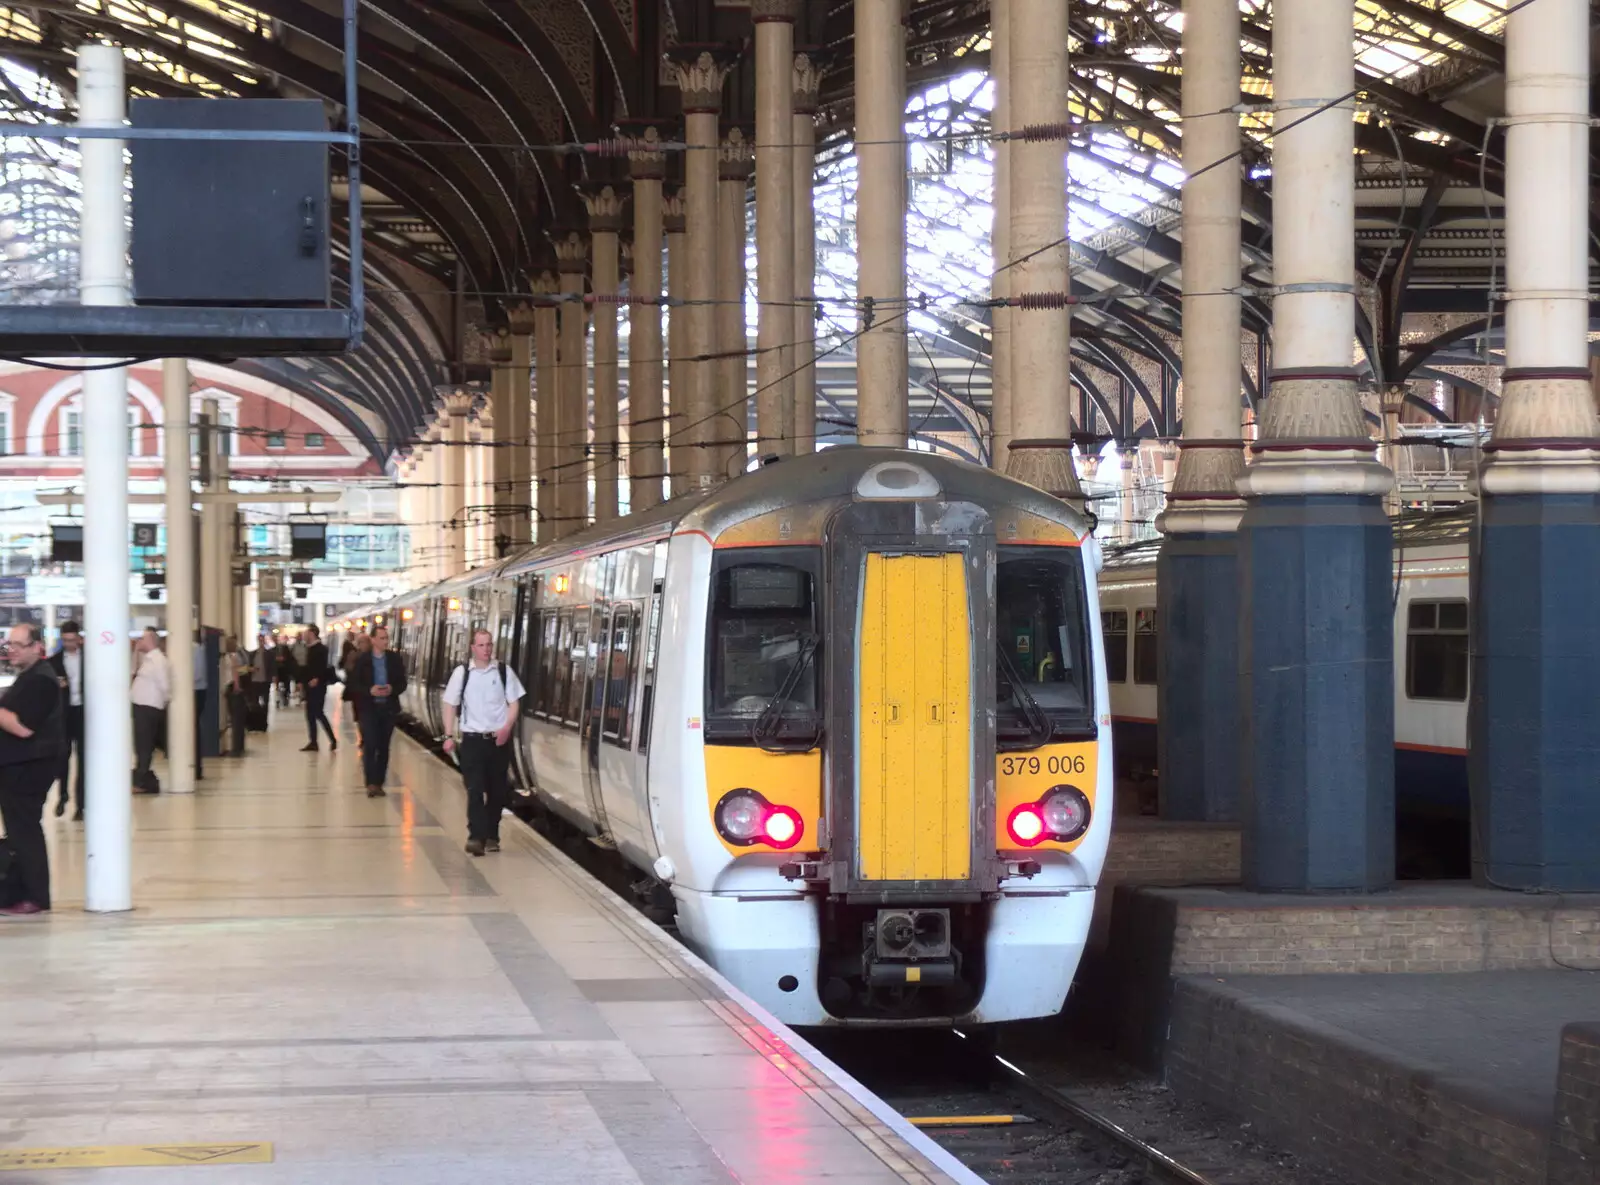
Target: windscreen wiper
<point x="766" y="725"/>
<point x="1039" y="726"/>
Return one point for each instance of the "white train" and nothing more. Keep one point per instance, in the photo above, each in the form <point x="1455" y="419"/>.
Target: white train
<point x="849" y="710"/>
<point x="1431" y="660"/>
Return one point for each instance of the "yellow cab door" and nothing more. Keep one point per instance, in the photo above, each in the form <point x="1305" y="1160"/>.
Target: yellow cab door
<point x="913" y="708"/>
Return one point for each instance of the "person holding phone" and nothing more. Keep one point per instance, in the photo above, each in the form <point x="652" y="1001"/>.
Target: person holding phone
<point x="377" y="679"/>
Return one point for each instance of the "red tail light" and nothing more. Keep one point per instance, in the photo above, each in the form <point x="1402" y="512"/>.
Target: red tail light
<point x="1062" y="814"/>
<point x="1026" y="825"/>
<point x="744" y="817"/>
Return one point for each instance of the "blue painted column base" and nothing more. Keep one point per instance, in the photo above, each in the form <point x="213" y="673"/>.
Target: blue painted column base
<point x="1197" y="608"/>
<point x="1316" y="683"/>
<point x="1534" y="723"/>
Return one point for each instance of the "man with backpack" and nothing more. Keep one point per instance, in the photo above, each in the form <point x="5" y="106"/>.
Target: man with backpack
<point x="483" y="695"/>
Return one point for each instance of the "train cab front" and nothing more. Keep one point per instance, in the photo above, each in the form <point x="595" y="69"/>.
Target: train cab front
<point x="915" y="805"/>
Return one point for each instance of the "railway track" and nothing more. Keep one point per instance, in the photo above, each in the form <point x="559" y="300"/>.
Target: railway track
<point x="1005" y="1124"/>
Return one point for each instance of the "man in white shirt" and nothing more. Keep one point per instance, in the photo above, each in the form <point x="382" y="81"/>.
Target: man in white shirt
<point x="152" y="688"/>
<point x="68" y="664"/>
<point x="483" y="695"/>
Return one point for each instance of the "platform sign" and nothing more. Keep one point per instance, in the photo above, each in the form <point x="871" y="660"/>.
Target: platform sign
<point x="144" y="534"/>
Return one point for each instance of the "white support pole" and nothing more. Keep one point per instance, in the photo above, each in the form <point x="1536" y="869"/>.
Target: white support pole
<point x="1000" y="240"/>
<point x="881" y="366"/>
<point x="1039" y="450"/>
<point x="180" y="575"/>
<point x="774" y="29"/>
<point x="1204" y="494"/>
<point x="108" y="723"/>
<point x="807" y="84"/>
<point x="1548" y="395"/>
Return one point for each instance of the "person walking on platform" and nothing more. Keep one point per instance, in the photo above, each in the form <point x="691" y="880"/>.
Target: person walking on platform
<point x="314" y="673"/>
<point x="483" y="695"/>
<point x="234" y="674"/>
<point x="283" y="663"/>
<point x="262" y="673"/>
<point x="353" y="653"/>
<point x="68" y="664"/>
<point x="32" y="729"/>
<point x="377" y="680"/>
<point x="202" y="683"/>
<point x="152" y="689"/>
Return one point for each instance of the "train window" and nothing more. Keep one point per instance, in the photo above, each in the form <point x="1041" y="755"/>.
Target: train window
<point x="622" y="666"/>
<point x="1043" y="683"/>
<point x="652" y="645"/>
<point x="762" y="640"/>
<point x="577" y="666"/>
<point x="1114" y="629"/>
<point x="1437" y="650"/>
<point x="1146" y="643"/>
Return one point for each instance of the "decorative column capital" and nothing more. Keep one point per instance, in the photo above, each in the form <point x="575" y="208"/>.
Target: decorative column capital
<point x="605" y="205"/>
<point x="673" y="219"/>
<point x="520" y="318"/>
<point x="572" y="252"/>
<point x="762" y="11"/>
<point x="736" y="157"/>
<point x="457" y="404"/>
<point x="808" y="69"/>
<point x="701" y="70"/>
<point x="498" y="343"/>
<point x="646" y="161"/>
<point x="544" y="285"/>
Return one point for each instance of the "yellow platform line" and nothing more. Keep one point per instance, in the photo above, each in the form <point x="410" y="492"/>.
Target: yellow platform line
<point x="117" y="1156"/>
<point x="965" y="1120"/>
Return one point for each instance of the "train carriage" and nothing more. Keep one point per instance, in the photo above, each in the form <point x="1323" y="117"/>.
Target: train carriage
<point x="1431" y="667"/>
<point x="849" y="710"/>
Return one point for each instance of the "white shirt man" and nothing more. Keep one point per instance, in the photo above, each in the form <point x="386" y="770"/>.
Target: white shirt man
<point x="152" y="679"/>
<point x="483" y="695"/>
<point x="152" y="688"/>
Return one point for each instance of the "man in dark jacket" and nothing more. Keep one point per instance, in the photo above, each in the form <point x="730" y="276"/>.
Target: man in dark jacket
<point x="68" y="664"/>
<point x="314" y="688"/>
<point x="377" y="680"/>
<point x="31" y="731"/>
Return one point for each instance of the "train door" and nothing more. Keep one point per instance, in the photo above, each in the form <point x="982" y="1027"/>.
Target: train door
<point x="910" y="668"/>
<point x="913" y="699"/>
<point x="513" y="612"/>
<point x="592" y="720"/>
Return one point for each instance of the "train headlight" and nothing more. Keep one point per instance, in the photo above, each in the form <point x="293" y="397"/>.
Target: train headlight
<point x="1062" y="814"/>
<point x="1065" y="810"/>
<point x="743" y="818"/>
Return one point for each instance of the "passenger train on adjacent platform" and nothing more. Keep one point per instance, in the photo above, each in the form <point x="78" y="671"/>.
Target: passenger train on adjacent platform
<point x="1431" y="597"/>
<point x="850" y="709"/>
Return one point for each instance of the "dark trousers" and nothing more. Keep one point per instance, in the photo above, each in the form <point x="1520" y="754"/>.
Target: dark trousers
<point x="23" y="790"/>
<point x="74" y="740"/>
<point x="146" y="732"/>
<point x="315" y="698"/>
<point x="377" y="730"/>
<point x="237" y="710"/>
<point x="199" y="730"/>
<point x="486" y="770"/>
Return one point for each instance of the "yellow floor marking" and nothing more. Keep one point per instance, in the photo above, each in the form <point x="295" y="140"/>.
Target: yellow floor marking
<point x="116" y="1156"/>
<point x="964" y="1120"/>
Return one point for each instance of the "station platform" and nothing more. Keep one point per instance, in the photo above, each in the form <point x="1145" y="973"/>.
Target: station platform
<point x="1489" y="1076"/>
<point x="315" y="986"/>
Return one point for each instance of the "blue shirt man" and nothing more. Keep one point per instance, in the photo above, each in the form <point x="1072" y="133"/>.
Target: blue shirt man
<point x="380" y="670"/>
